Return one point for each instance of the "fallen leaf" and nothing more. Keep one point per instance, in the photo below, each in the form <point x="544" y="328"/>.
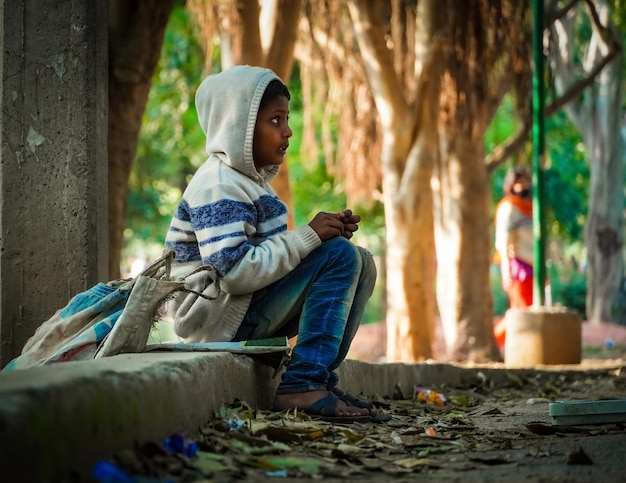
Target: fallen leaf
<point x="515" y="379"/>
<point x="454" y="416"/>
<point x="463" y="401"/>
<point x="413" y="462"/>
<point x="437" y="450"/>
<point x="306" y="465"/>
<point x="488" y="412"/>
<point x="209" y="463"/>
<point x="395" y="437"/>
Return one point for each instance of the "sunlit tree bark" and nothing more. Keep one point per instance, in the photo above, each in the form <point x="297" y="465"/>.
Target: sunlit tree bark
<point x="407" y="110"/>
<point x="483" y="59"/>
<point x="433" y="138"/>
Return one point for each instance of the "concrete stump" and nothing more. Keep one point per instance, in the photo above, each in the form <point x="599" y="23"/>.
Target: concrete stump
<point x="542" y="335"/>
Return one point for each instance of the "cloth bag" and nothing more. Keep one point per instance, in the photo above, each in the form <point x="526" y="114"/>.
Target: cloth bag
<point x="76" y="331"/>
<point x="131" y="331"/>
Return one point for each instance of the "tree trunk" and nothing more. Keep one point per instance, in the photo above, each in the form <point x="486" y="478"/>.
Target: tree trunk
<point x="470" y="87"/>
<point x="136" y="31"/>
<point x="408" y="155"/>
<point x="604" y="231"/>
<point x="597" y="115"/>
<point x="462" y="228"/>
<point x="410" y="256"/>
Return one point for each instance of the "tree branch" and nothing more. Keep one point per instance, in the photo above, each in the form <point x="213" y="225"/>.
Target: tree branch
<point x="501" y="152"/>
<point x="552" y="16"/>
<point x="604" y="32"/>
<point x="509" y="147"/>
<point x="577" y="87"/>
<point x="386" y="87"/>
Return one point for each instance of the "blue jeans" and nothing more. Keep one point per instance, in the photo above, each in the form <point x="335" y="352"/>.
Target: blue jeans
<point x="322" y="301"/>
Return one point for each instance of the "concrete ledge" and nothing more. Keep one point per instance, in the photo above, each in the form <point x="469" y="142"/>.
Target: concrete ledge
<point x="57" y="418"/>
<point x="66" y="417"/>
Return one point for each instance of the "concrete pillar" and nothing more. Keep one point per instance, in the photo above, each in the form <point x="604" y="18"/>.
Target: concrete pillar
<point x="53" y="159"/>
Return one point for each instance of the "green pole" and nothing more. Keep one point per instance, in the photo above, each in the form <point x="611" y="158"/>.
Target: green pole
<point x="539" y="267"/>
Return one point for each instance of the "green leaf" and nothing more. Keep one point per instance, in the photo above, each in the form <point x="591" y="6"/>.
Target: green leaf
<point x="307" y="465"/>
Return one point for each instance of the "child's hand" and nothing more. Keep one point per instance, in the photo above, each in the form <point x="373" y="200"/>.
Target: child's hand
<point x="350" y="221"/>
<point x="327" y="225"/>
<point x="331" y="225"/>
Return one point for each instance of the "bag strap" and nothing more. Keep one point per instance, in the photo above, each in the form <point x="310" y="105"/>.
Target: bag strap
<point x="213" y="277"/>
<point x="161" y="269"/>
<point x="162" y="265"/>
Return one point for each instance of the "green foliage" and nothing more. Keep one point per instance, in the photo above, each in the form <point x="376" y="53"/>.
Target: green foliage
<point x="566" y="180"/>
<point x="500" y="297"/>
<point x="569" y="287"/>
<point x="171" y="142"/>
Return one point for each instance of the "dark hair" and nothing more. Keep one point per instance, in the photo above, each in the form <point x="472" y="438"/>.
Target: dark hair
<point x="513" y="177"/>
<point x="273" y="90"/>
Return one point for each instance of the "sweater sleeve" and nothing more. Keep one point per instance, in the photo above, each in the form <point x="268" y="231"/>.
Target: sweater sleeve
<point x="245" y="238"/>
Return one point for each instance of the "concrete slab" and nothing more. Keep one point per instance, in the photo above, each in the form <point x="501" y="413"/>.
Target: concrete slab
<point x="56" y="418"/>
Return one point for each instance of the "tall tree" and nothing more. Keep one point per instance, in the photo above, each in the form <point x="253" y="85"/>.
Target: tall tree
<point x="597" y="113"/>
<point x="252" y="32"/>
<point x="485" y="56"/>
<point x="406" y="98"/>
<point x="136" y="31"/>
<point x="434" y="111"/>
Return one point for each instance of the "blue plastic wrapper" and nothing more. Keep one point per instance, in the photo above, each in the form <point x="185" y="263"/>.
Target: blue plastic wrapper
<point x="106" y="472"/>
<point x="181" y="444"/>
<point x="233" y="424"/>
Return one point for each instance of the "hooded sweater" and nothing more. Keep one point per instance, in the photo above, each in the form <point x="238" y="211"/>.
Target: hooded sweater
<point x="229" y="216"/>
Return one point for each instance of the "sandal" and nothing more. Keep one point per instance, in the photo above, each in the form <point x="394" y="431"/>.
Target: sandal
<point x="376" y="415"/>
<point x="325" y="407"/>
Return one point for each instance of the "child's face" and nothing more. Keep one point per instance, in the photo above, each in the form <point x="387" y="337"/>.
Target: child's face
<point x="271" y="133"/>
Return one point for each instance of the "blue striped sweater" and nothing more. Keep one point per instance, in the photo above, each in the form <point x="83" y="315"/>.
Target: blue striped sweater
<point x="229" y="216"/>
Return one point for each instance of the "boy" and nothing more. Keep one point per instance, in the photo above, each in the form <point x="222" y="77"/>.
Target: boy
<point x="311" y="281"/>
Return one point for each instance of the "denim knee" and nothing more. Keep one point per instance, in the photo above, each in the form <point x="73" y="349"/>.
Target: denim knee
<point x="346" y="251"/>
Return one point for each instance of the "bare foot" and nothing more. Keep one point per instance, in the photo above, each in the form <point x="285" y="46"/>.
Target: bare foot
<point x="304" y="400"/>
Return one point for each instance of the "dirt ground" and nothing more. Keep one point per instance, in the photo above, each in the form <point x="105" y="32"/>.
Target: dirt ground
<point x="484" y="431"/>
<point x="598" y="340"/>
<point x="479" y="432"/>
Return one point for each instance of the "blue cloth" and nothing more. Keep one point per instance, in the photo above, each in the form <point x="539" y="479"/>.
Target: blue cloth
<point x="322" y="301"/>
<point x="74" y="332"/>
